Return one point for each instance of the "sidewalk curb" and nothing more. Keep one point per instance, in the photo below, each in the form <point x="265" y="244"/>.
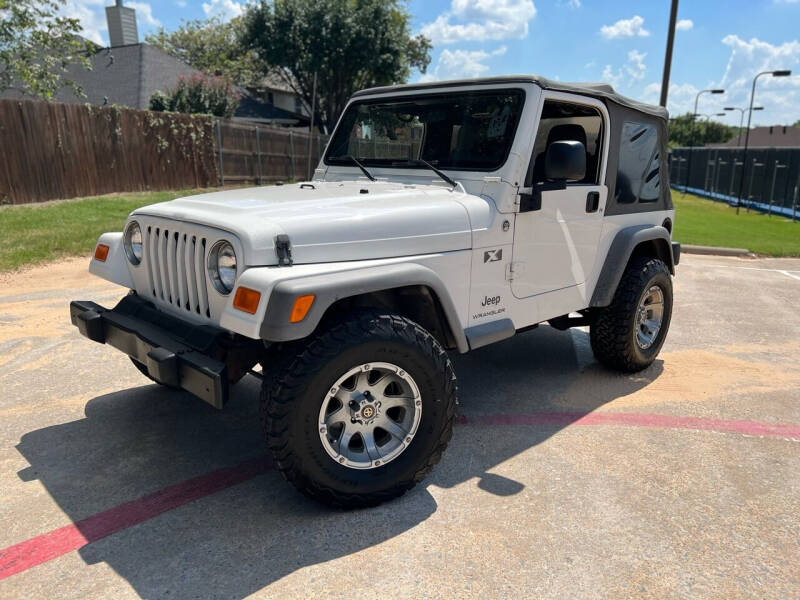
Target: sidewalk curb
<point x="716" y="250"/>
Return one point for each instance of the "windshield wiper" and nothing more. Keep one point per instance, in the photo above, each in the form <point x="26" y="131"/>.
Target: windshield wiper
<point x="425" y="163"/>
<point x="356" y="162"/>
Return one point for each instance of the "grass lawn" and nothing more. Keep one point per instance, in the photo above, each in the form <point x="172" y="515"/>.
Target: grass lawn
<point x="33" y="233"/>
<point x="708" y="223"/>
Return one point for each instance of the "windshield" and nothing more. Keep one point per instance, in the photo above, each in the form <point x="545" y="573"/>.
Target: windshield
<point x="471" y="131"/>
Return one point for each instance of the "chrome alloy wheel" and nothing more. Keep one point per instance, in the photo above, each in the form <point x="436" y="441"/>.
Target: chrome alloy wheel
<point x="649" y="317"/>
<point x="370" y="415"/>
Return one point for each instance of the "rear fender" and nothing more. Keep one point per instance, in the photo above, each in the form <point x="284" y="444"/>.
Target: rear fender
<point x="639" y="239"/>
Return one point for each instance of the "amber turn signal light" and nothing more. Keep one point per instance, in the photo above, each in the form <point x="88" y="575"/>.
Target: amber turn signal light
<point x="301" y="307"/>
<point x="246" y="300"/>
<point x="101" y="252"/>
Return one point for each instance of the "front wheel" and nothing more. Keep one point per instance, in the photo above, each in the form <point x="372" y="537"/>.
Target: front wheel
<point x="363" y="411"/>
<point x="628" y="335"/>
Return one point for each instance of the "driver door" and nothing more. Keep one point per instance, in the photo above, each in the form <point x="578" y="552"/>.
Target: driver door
<point x="555" y="245"/>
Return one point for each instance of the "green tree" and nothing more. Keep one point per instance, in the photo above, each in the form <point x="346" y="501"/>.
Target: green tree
<point x="213" y="47"/>
<point x="348" y="44"/>
<point x="686" y="131"/>
<point x="37" y="47"/>
<point x="199" y="94"/>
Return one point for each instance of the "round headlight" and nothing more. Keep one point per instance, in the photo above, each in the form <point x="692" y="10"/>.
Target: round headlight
<point x="222" y="267"/>
<point x="132" y="243"/>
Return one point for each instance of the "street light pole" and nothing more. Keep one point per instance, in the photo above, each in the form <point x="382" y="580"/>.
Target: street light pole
<point x="741" y="120"/>
<point x="778" y="73"/>
<point x="673" y="15"/>
<point x="691" y="148"/>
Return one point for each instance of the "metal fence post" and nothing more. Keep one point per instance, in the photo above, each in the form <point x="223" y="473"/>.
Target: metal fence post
<point x="774" y="179"/>
<point x="720" y="162"/>
<point x="219" y="153"/>
<point x="258" y="154"/>
<point x="794" y="199"/>
<point x="291" y="147"/>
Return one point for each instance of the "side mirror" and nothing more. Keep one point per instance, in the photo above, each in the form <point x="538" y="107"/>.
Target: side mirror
<point x="565" y="161"/>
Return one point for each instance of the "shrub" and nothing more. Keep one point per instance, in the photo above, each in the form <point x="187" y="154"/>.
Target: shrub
<point x="199" y="94"/>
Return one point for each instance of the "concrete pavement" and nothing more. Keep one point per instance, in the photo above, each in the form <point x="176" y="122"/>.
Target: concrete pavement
<point x="563" y="480"/>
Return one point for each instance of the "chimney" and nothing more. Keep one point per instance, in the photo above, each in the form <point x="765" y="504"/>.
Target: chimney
<point x="122" y="29"/>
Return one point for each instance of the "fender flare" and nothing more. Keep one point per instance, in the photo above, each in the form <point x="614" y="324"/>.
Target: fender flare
<point x="619" y="254"/>
<point x="331" y="287"/>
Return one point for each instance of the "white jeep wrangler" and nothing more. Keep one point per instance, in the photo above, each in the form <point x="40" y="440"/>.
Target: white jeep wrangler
<point x="443" y="216"/>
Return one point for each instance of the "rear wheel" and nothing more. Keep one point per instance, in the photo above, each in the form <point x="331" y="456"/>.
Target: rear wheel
<point x="362" y="412"/>
<point x="628" y="334"/>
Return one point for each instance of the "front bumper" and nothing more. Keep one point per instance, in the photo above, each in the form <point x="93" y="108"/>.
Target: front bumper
<point x="175" y="352"/>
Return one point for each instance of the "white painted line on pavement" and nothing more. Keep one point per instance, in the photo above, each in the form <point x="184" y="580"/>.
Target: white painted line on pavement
<point x="790" y="274"/>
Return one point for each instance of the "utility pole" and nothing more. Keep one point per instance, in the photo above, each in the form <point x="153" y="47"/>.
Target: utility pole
<point x="673" y="15"/>
<point x="311" y="125"/>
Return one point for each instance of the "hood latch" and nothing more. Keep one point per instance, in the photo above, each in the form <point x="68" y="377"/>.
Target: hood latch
<point x="283" y="248"/>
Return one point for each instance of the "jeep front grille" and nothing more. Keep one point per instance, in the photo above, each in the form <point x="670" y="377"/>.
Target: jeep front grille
<point x="176" y="268"/>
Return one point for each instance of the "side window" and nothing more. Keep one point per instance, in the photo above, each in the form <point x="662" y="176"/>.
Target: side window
<point x="639" y="173"/>
<point x="565" y="121"/>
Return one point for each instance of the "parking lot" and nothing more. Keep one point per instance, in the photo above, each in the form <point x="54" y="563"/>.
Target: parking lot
<point x="563" y="480"/>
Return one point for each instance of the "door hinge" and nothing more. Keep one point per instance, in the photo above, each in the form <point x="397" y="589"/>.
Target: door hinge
<point x="513" y="269"/>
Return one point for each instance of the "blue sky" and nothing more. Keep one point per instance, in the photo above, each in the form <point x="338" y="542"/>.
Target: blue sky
<point x="718" y="43"/>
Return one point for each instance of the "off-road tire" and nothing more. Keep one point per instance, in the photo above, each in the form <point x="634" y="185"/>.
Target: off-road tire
<point x="612" y="334"/>
<point x="143" y="370"/>
<point x="291" y="401"/>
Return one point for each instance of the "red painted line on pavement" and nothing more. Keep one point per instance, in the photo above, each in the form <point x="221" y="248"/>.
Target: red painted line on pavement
<point x="755" y="428"/>
<point x="58" y="542"/>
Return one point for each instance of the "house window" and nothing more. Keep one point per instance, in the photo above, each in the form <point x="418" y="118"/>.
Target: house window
<point x="298" y="104"/>
<point x="271" y="98"/>
<point x="639" y="170"/>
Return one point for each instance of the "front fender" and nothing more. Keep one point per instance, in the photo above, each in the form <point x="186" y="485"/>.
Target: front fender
<point x="115" y="268"/>
<point x="280" y="287"/>
<point x="330" y="287"/>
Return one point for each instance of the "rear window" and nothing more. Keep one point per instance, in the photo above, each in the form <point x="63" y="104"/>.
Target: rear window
<point x="638" y="173"/>
<point x="471" y="131"/>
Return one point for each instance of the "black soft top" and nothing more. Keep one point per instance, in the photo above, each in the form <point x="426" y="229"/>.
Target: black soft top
<point x="601" y="91"/>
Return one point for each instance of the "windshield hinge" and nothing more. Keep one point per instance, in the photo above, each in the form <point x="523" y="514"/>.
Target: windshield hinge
<point x="283" y="248"/>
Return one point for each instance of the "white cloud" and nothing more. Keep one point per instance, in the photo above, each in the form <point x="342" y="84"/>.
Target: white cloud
<point x="632" y="71"/>
<point x="480" y="20"/>
<point x="181" y="3"/>
<point x="680" y="99"/>
<point x="609" y="76"/>
<point x="460" y="64"/>
<point x="91" y="15"/>
<point x="570" y="3"/>
<point x="780" y="96"/>
<point x="684" y="24"/>
<point x="624" y="28"/>
<point x="144" y="14"/>
<point x="225" y="9"/>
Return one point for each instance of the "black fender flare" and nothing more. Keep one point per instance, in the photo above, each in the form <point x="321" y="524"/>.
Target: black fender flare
<point x="619" y="254"/>
<point x="330" y="287"/>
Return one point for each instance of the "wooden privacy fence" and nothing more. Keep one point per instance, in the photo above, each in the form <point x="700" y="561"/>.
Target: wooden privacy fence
<point x="50" y="151"/>
<point x="258" y="154"/>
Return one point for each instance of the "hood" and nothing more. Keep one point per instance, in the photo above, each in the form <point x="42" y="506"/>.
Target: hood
<point x="331" y="221"/>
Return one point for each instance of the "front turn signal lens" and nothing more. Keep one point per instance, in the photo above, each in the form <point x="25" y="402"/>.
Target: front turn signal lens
<point x="301" y="307"/>
<point x="246" y="300"/>
<point x="101" y="252"/>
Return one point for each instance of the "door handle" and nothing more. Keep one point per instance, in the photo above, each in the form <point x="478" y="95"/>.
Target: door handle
<point x="592" y="202"/>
